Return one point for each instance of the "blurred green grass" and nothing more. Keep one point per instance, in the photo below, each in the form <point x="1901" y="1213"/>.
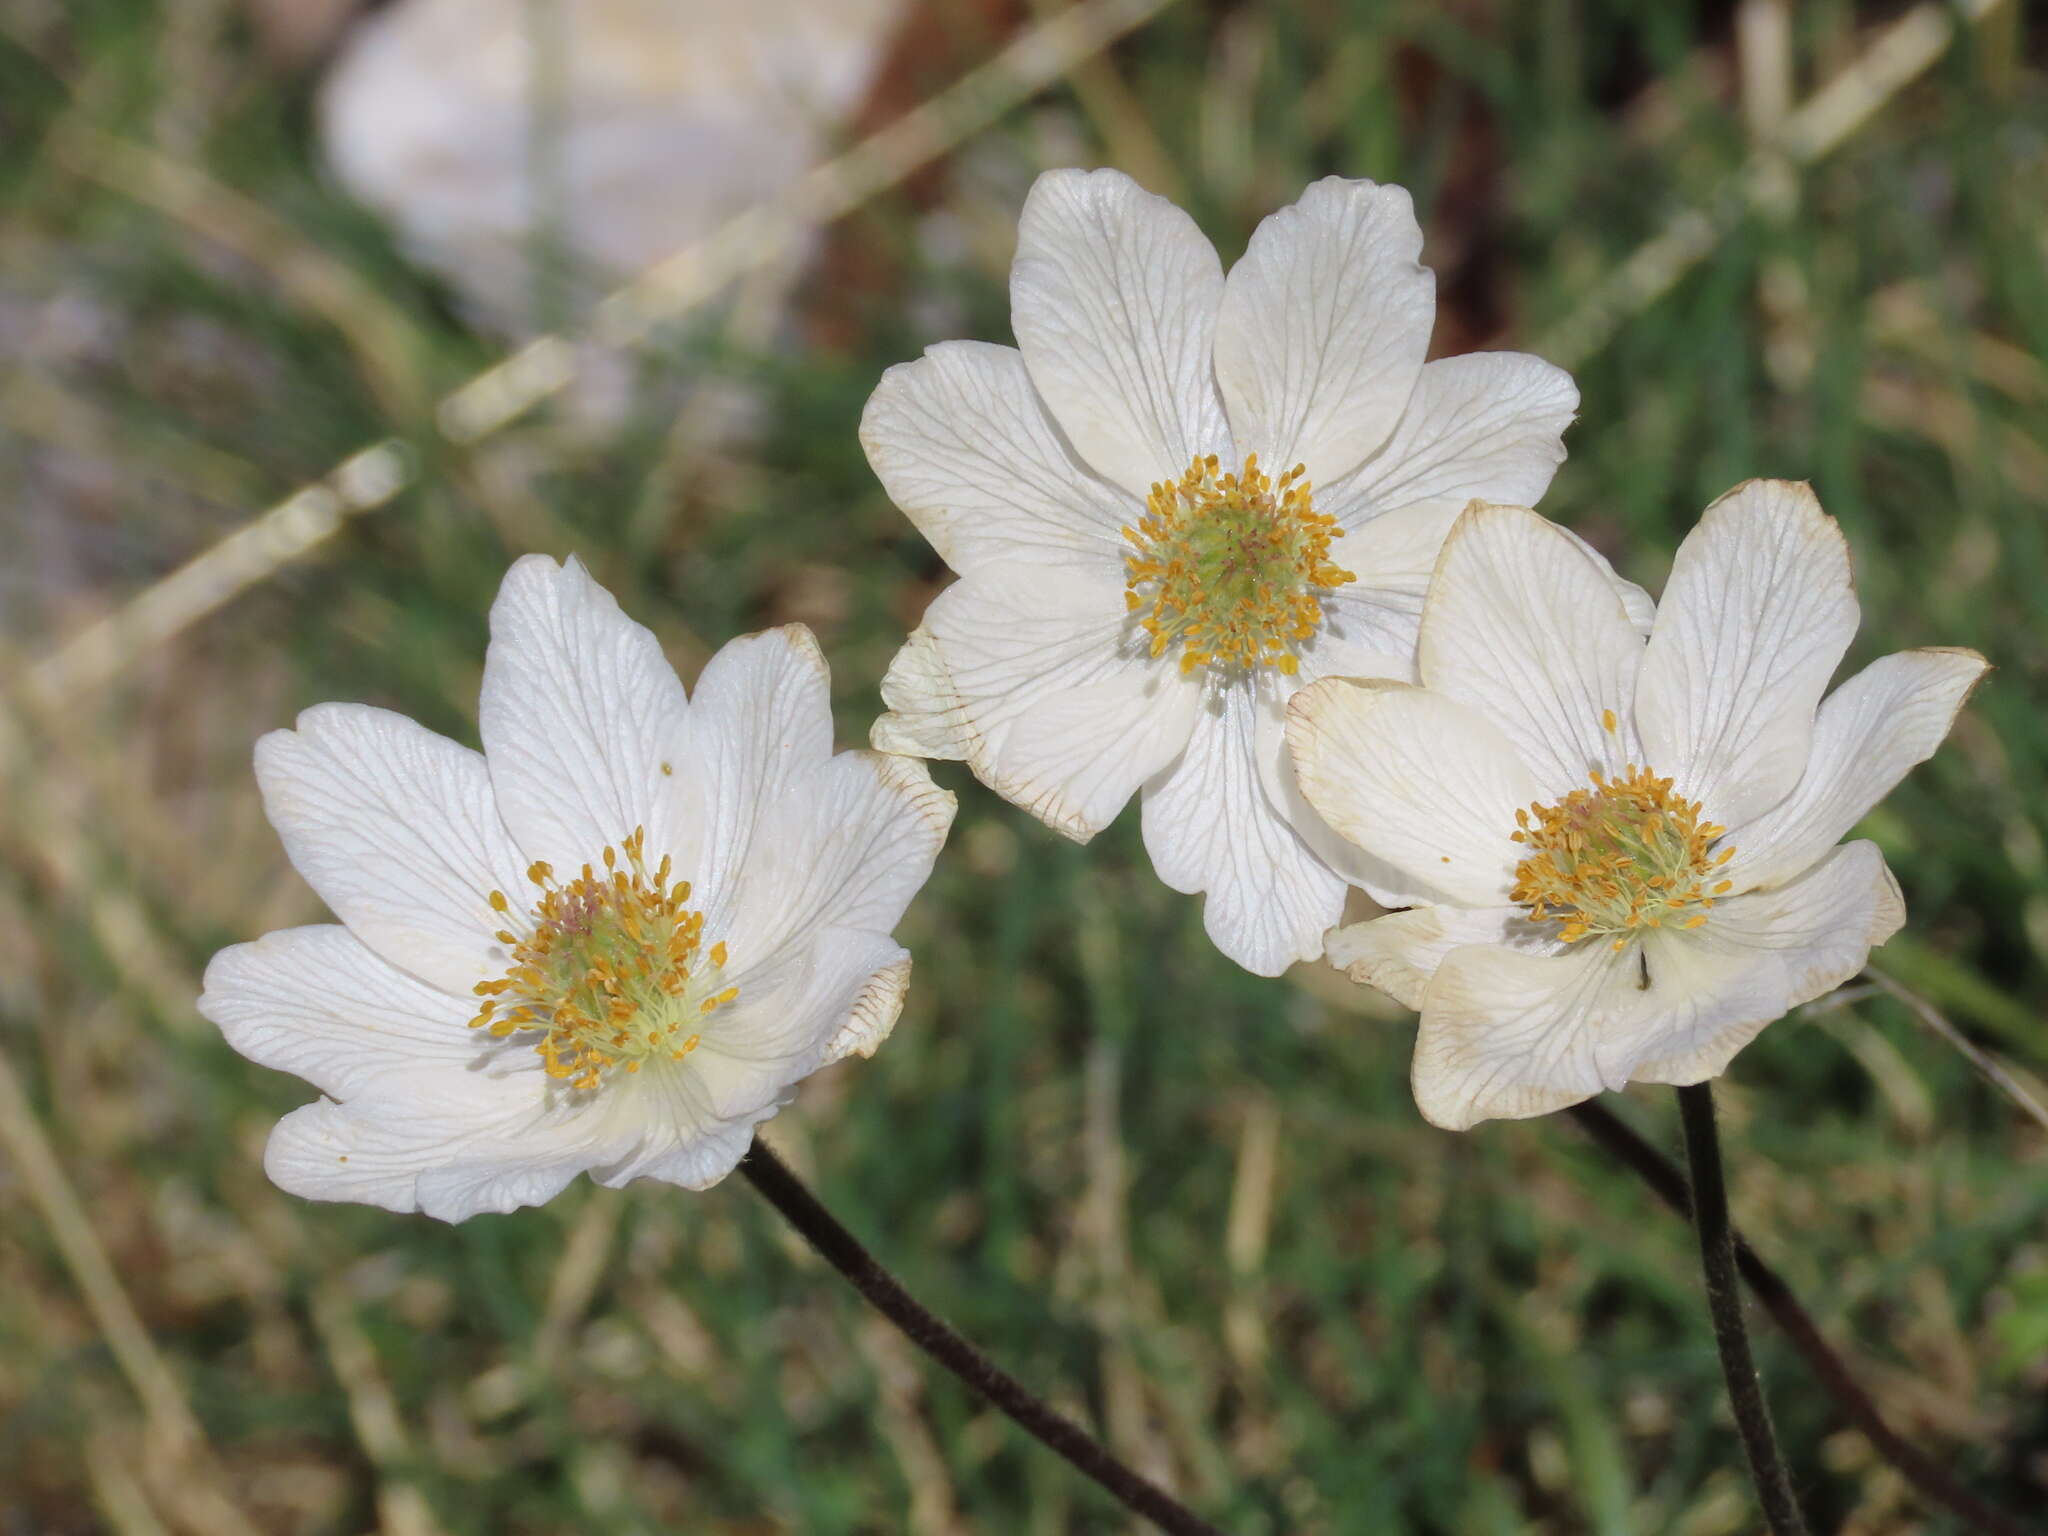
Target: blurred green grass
<point x="1198" y="1206"/>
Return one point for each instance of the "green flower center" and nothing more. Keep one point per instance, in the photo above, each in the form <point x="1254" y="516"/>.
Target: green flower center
<point x="612" y="973"/>
<point x="1625" y="855"/>
<point x="1230" y="567"/>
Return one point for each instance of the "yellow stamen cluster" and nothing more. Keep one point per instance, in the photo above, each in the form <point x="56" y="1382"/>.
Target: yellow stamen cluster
<point x="609" y="968"/>
<point x="1626" y="854"/>
<point x="1230" y="566"/>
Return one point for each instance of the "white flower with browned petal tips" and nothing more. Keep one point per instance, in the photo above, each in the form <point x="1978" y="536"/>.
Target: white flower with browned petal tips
<point x="1631" y="852"/>
<point x="612" y="942"/>
<point x="1182" y="498"/>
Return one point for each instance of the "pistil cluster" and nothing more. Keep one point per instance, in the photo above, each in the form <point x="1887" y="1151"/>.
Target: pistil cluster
<point x="1230" y="566"/>
<point x="611" y="968"/>
<point x="1624" y="855"/>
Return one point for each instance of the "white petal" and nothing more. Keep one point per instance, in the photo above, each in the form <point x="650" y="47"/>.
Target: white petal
<point x="1392" y="556"/>
<point x="1399" y="953"/>
<point x="1358" y="638"/>
<point x="869" y="1016"/>
<point x="693" y="1120"/>
<point x="813" y="1004"/>
<point x="317" y="1003"/>
<point x="1210" y="826"/>
<point x="1485" y="426"/>
<point x="697" y="1163"/>
<point x="926" y="716"/>
<point x="321" y="1152"/>
<point x="1756" y="616"/>
<point x="845" y="845"/>
<point x="397" y="1155"/>
<point x="1113" y="298"/>
<point x="452" y="1155"/>
<point x="1527" y="629"/>
<point x="1037" y="686"/>
<point x="1507" y="1034"/>
<point x="1323" y="327"/>
<point x="1370" y="625"/>
<point x="1640" y="607"/>
<point x="458" y="1191"/>
<point x="1869" y="732"/>
<point x="964" y="446"/>
<point x="1757" y="957"/>
<point x="1351" y="864"/>
<point x="1888" y="915"/>
<point x="397" y="830"/>
<point x="759" y="734"/>
<point x="1416" y="779"/>
<point x="582" y="720"/>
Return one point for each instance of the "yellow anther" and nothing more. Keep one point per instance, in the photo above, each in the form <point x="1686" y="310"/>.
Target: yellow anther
<point x="610" y="970"/>
<point x="1625" y="855"/>
<point x="1234" y="561"/>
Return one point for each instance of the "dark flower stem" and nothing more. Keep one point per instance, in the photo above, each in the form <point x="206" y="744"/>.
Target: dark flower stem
<point x="1724" y="1304"/>
<point x="1933" y="1481"/>
<point x="843" y="1251"/>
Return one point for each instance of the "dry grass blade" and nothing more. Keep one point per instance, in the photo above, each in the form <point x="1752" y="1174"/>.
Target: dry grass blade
<point x="109" y="1463"/>
<point x="1987" y="1066"/>
<point x="176" y="1437"/>
<point x="1901" y="54"/>
<point x="934" y="1507"/>
<point x="1248" y="1231"/>
<point x="769" y="232"/>
<point x="372" y="1410"/>
<point x="58" y="806"/>
<point x="375" y="329"/>
<point x="251" y="554"/>
<point x="574" y="1283"/>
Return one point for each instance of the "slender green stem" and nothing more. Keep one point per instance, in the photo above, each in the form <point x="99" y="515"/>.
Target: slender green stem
<point x="843" y="1251"/>
<point x="1724" y="1303"/>
<point x="1666" y="1179"/>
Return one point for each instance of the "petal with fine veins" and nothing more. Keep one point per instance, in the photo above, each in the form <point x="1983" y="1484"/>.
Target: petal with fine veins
<point x="1486" y="426"/>
<point x="761" y="720"/>
<point x="1868" y="734"/>
<point x="1210" y="826"/>
<point x="398" y="831"/>
<point x="845" y="846"/>
<point x="1416" y="779"/>
<point x="1036" y="686"/>
<point x="1113" y="298"/>
<point x="1714" y="988"/>
<point x="1323" y="327"/>
<point x="964" y="446"/>
<point x="579" y="713"/>
<point x="1756" y="616"/>
<point x="1526" y="628"/>
<point x="317" y="1003"/>
<point x="1507" y="1034"/>
<point x="1400" y="952"/>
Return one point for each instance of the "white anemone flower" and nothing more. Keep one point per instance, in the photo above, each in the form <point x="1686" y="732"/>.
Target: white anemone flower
<point x="1180" y="499"/>
<point x="612" y="942"/>
<point x="1634" y="850"/>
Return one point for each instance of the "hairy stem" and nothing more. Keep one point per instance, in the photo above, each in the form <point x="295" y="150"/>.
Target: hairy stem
<point x="843" y="1251"/>
<point x="1724" y="1304"/>
<point x="1930" y="1479"/>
